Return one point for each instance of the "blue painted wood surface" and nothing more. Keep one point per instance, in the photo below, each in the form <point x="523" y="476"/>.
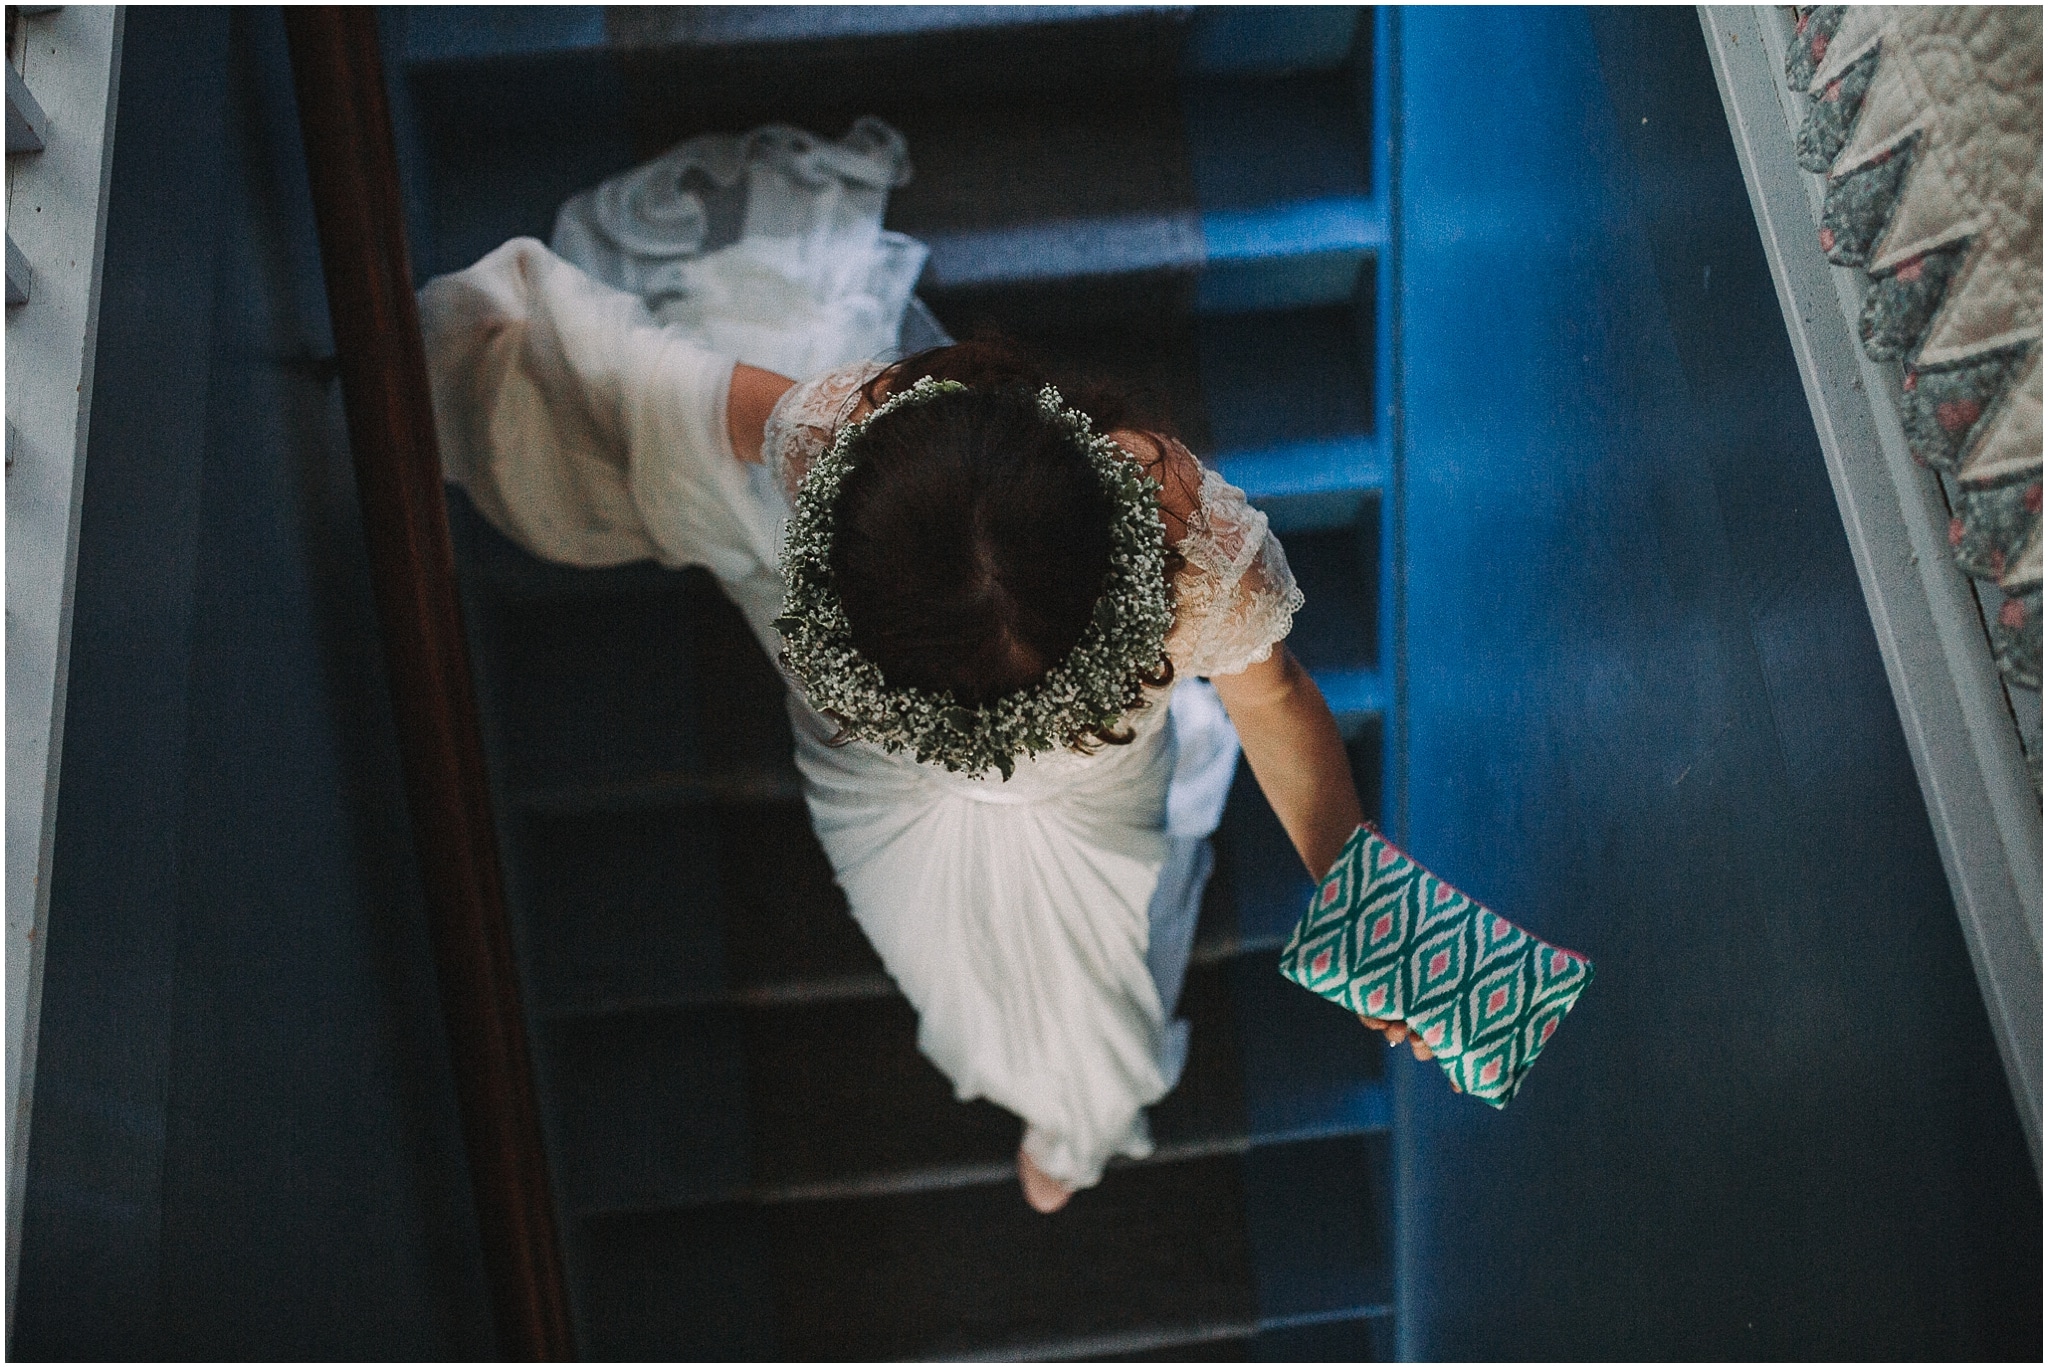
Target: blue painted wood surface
<point x="1646" y="716"/>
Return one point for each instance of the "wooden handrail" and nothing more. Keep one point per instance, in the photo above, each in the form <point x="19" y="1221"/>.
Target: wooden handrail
<point x="345" y="120"/>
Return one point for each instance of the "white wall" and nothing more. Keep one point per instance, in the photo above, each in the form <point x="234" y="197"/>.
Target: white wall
<point x="70" y="59"/>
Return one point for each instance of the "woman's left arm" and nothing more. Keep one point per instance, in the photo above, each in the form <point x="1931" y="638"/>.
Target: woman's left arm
<point x="1291" y="741"/>
<point x="1296" y="755"/>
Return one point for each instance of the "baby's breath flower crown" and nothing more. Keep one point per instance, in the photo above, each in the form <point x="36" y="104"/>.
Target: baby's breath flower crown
<point x="1099" y="681"/>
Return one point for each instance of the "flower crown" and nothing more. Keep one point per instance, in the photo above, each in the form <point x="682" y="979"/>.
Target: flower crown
<point x="1093" y="686"/>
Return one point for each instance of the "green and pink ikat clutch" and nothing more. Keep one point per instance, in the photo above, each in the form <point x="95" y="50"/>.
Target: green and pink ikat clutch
<point x="1386" y="938"/>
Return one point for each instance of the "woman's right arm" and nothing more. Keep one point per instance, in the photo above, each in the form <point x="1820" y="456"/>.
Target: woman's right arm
<point x="752" y="397"/>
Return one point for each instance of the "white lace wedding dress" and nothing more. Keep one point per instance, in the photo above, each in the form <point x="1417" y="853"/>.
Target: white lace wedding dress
<point x="1040" y="926"/>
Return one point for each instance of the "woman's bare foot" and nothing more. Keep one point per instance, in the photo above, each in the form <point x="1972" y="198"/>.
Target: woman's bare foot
<point x="1045" y="1193"/>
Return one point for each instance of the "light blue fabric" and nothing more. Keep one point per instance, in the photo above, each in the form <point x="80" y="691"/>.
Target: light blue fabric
<point x="1205" y="761"/>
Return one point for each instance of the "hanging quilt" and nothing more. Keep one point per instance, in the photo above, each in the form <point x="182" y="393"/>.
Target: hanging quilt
<point x="1926" y="121"/>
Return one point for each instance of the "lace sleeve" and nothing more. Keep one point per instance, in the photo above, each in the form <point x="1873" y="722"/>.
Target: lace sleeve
<point x="803" y="422"/>
<point x="1235" y="597"/>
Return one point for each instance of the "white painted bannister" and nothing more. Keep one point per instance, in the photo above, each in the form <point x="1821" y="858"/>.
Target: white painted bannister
<point x="64" y="72"/>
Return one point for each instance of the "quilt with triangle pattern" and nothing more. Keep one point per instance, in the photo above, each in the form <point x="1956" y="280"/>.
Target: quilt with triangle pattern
<point x="1386" y="938"/>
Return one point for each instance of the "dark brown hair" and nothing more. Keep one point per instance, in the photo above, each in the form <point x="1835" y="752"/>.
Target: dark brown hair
<point x="972" y="537"/>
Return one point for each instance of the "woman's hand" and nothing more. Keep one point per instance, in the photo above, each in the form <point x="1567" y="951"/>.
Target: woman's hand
<point x="1291" y="742"/>
<point x="1174" y="467"/>
<point x="1396" y="1032"/>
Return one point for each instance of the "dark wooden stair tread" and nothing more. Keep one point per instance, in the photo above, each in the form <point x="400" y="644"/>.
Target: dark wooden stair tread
<point x="824" y="79"/>
<point x="932" y="1274"/>
<point x="1157" y="1262"/>
<point x="686" y="1105"/>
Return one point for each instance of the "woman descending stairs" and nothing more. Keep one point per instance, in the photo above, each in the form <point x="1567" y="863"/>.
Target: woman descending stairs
<point x="751" y="1159"/>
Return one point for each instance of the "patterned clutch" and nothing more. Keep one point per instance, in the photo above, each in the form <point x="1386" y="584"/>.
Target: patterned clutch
<point x="1387" y="938"/>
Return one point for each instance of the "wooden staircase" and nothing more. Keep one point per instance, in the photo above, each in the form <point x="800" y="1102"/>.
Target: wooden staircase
<point x="751" y="1159"/>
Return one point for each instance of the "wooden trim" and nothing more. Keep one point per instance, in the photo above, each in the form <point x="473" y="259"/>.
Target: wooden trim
<point x="345" y="120"/>
<point x="1958" y="724"/>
